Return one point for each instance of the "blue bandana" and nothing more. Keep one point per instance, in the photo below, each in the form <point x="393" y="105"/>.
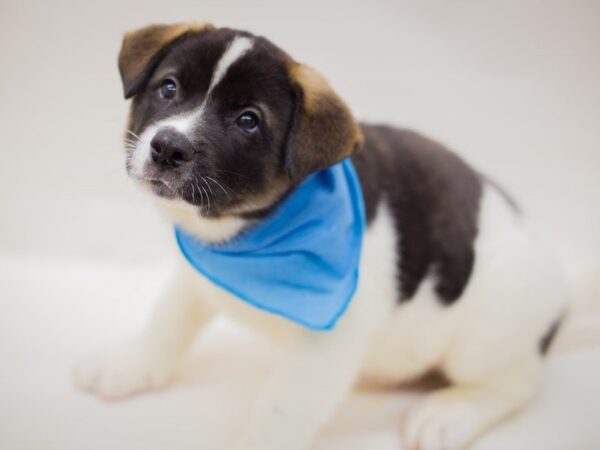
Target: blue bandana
<point x="301" y="262"/>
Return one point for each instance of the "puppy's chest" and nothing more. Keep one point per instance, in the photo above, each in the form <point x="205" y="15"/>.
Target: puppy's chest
<point x="264" y="323"/>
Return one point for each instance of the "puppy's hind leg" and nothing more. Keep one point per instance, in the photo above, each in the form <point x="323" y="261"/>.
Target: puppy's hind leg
<point x="148" y="361"/>
<point x="453" y="417"/>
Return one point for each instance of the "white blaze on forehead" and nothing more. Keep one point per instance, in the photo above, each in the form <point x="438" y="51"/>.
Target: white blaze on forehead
<point x="236" y="49"/>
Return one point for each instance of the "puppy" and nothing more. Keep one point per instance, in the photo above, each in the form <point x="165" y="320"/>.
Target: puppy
<point x="225" y="129"/>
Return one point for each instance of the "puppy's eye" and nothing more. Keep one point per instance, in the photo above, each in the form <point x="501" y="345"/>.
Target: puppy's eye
<point x="168" y="89"/>
<point x="248" y="122"/>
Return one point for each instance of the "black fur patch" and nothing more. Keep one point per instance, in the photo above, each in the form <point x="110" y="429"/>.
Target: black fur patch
<point x="434" y="198"/>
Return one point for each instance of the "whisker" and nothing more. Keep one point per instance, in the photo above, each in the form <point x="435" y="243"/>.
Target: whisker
<point x="208" y="185"/>
<point x="133" y="134"/>
<point x="130" y="142"/>
<point x="233" y="173"/>
<point x="219" y="185"/>
<point x="201" y="198"/>
<point x="207" y="199"/>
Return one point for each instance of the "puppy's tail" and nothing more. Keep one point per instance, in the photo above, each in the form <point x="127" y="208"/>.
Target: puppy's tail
<point x="581" y="326"/>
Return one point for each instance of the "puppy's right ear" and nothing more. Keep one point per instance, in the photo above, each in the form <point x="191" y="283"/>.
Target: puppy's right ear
<point x="143" y="49"/>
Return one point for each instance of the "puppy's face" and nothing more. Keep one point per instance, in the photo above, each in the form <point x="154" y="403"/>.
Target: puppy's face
<point x="225" y="121"/>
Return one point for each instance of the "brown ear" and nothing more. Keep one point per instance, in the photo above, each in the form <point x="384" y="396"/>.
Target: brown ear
<point x="143" y="49"/>
<point x="323" y="130"/>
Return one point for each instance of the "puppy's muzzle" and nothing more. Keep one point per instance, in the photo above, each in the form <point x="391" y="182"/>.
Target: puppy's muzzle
<point x="170" y="149"/>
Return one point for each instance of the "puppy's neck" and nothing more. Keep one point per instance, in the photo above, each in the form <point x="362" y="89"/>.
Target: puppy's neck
<point x="212" y="230"/>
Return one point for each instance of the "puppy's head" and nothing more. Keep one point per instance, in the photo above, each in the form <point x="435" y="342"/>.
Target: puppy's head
<point x="224" y="120"/>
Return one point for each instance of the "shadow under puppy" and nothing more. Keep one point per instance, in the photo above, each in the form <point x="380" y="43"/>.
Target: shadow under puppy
<point x="367" y="251"/>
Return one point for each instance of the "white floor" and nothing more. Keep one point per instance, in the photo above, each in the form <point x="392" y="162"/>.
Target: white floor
<point x="513" y="85"/>
<point x="54" y="311"/>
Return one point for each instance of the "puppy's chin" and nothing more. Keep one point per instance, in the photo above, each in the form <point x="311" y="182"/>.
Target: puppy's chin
<point x="154" y="183"/>
<point x="160" y="192"/>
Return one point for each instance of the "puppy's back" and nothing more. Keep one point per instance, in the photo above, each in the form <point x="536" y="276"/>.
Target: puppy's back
<point x="434" y="197"/>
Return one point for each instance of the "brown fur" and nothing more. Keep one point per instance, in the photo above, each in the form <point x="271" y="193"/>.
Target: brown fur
<point x="324" y="131"/>
<point x="141" y="46"/>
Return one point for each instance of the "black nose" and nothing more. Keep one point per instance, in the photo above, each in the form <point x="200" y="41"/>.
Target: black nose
<point x="170" y="148"/>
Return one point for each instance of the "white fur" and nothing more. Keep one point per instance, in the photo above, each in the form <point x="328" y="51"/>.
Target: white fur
<point x="487" y="342"/>
<point x="141" y="153"/>
<point x="238" y="47"/>
<point x="206" y="228"/>
<point x="515" y="292"/>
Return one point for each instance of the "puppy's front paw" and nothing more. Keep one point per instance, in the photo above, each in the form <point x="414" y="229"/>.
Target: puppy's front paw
<point x="441" y="423"/>
<point x="125" y="370"/>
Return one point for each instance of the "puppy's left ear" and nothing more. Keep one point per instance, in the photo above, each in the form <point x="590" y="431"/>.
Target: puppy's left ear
<point x="323" y="130"/>
<point x="143" y="49"/>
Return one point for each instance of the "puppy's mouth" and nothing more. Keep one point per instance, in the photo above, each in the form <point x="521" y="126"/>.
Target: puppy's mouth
<point x="191" y="193"/>
<point x="160" y="184"/>
<point x="177" y="185"/>
<point x="161" y="188"/>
